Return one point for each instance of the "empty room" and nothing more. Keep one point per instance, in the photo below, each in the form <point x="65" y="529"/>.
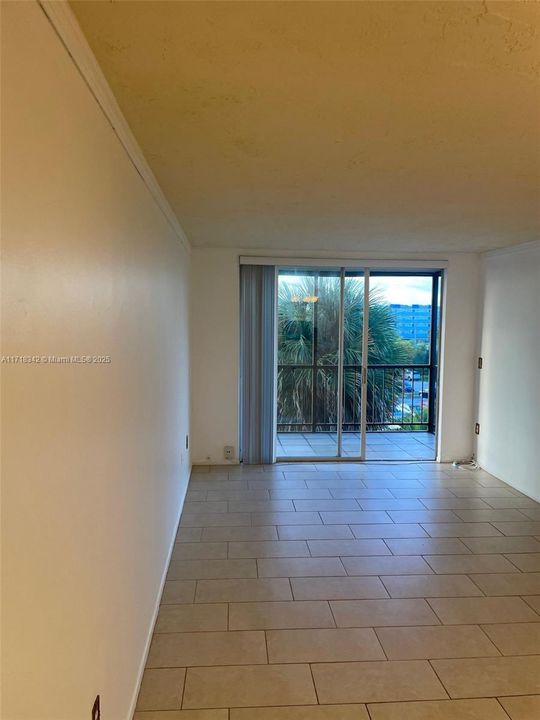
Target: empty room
<point x="270" y="360"/>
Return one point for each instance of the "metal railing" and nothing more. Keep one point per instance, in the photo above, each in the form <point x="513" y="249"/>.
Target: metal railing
<point x="399" y="397"/>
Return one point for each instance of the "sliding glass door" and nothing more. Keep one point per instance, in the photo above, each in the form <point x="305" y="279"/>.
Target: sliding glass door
<point x="308" y="356"/>
<point x="402" y="366"/>
<point x="354" y="363"/>
<point x="357" y="364"/>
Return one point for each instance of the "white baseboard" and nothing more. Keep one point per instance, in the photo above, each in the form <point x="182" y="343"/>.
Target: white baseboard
<point x="144" y="658"/>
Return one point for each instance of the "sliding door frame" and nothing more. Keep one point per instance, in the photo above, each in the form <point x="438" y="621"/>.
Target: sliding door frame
<point x="436" y="270"/>
<point x="365" y="354"/>
<point x="339" y="399"/>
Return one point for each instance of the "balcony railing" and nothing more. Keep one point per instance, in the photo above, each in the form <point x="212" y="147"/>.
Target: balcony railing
<point x="399" y="397"/>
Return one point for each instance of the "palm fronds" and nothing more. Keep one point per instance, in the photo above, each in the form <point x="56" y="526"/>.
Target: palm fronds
<point x="308" y="352"/>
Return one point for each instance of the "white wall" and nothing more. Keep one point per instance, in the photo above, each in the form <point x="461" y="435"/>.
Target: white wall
<point x="93" y="469"/>
<point x="459" y="357"/>
<point x="215" y="301"/>
<point x="215" y="345"/>
<point x="509" y="388"/>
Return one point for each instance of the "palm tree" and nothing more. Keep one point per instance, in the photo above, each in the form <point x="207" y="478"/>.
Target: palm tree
<point x="308" y="322"/>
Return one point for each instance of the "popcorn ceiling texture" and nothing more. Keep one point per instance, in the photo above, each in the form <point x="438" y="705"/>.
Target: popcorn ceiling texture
<point x="357" y="126"/>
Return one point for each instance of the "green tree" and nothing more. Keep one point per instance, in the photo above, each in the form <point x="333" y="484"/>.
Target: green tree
<point x="308" y="336"/>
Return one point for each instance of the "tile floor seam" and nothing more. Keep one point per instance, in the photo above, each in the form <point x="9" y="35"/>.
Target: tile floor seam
<point x="370" y="716"/>
<point x="385" y="586"/>
<point x="292" y="589"/>
<point x="183" y="689"/>
<point x="482" y="628"/>
<point x="502" y="707"/>
<point x="389" y="548"/>
<point x="330" y="611"/>
<point x="425" y="558"/>
<point x="435" y="612"/>
<point x="380" y="642"/>
<point x="333" y="616"/>
<point x="524" y="599"/>
<point x="476" y="584"/>
<point x="440" y="680"/>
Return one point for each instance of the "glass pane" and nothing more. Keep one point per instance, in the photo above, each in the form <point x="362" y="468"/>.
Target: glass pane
<point x="308" y="344"/>
<point x="353" y="324"/>
<point x="401" y="368"/>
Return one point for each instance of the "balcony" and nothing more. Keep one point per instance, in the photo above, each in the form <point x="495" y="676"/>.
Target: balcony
<point x="400" y="411"/>
<point x="379" y="445"/>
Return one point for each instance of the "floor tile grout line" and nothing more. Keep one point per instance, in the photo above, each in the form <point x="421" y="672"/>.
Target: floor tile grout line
<point x="314" y="683"/>
<point x="341" y="662"/>
<point x="477" y="585"/>
<point x="370" y="716"/>
<point x="183" y="689"/>
<point x="367" y="702"/>
<point x="291" y="588"/>
<point x="380" y="643"/>
<point x="426" y="600"/>
<point x="390" y="549"/>
<point x="348" y="627"/>
<point x="481" y="626"/>
<point x="440" y="680"/>
<point x="497" y="699"/>
<point x="524" y="598"/>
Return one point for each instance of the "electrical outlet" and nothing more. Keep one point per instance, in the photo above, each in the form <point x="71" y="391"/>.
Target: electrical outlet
<point x="228" y="452"/>
<point x="96" y="710"/>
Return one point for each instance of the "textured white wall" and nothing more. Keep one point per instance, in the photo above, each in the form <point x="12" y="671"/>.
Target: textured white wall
<point x="215" y="346"/>
<point x="509" y="387"/>
<point x="459" y="348"/>
<point x="93" y="471"/>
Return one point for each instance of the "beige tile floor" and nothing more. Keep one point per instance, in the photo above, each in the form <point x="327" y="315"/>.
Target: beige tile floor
<point x="349" y="592"/>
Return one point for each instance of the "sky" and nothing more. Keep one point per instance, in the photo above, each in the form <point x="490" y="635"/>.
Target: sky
<point x="402" y="290"/>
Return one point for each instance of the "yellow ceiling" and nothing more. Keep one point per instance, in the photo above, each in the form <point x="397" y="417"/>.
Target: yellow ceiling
<point x="393" y="126"/>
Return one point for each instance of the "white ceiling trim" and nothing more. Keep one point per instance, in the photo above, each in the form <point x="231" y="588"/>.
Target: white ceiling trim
<point x="67" y="28"/>
<point x="344" y="262"/>
<point x="513" y="249"/>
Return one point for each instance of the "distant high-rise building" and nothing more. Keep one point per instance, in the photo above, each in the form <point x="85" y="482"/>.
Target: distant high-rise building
<point x="413" y="322"/>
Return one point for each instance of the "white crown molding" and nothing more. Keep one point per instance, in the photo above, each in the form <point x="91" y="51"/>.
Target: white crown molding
<point x="513" y="249"/>
<point x="66" y="26"/>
